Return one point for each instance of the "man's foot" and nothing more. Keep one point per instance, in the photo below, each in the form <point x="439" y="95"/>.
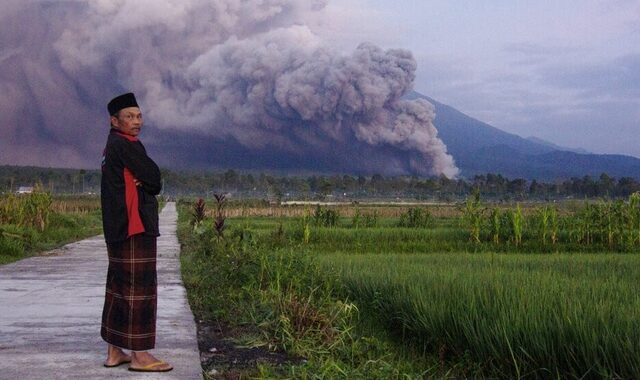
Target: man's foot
<point x="116" y="357"/>
<point x="145" y="362"/>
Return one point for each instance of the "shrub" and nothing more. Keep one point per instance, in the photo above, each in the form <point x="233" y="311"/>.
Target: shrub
<point x="325" y="217"/>
<point x="11" y="244"/>
<point x="366" y="220"/>
<point x="199" y="213"/>
<point x="28" y="210"/>
<point x="218" y="223"/>
<point x="415" y="218"/>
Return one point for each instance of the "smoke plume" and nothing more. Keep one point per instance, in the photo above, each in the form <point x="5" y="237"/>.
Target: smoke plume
<point x="249" y="75"/>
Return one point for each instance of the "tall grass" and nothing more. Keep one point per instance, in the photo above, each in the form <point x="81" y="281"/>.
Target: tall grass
<point x="503" y="315"/>
<point x="26" y="210"/>
<point x="264" y="209"/>
<point x="277" y="292"/>
<point x="75" y="204"/>
<point x="34" y="222"/>
<point x="564" y="316"/>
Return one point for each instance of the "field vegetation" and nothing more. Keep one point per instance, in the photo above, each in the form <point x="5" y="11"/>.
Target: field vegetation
<point x="278" y="295"/>
<point x="531" y="290"/>
<point x="532" y="316"/>
<point x="34" y="222"/>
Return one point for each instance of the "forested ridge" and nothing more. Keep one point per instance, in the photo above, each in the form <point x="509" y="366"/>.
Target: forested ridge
<point x="323" y="187"/>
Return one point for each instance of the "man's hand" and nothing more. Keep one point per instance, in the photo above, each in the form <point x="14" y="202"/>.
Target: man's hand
<point x="137" y="182"/>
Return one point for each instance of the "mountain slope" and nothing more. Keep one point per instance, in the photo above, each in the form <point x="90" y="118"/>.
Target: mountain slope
<point x="479" y="148"/>
<point x="553" y="146"/>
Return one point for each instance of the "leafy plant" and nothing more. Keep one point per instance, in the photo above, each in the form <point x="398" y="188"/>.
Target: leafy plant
<point x="473" y="216"/>
<point x="26" y="210"/>
<point x="415" y="217"/>
<point x="357" y="216"/>
<point x="199" y="213"/>
<point x="495" y="223"/>
<point x="548" y="224"/>
<point x="517" y="225"/>
<point x="218" y="223"/>
<point x="634" y="218"/>
<point x="325" y="217"/>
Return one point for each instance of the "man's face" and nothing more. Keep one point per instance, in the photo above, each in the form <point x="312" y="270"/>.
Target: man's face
<point x="128" y="121"/>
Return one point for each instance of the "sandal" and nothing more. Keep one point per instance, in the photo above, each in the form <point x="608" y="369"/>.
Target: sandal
<point x="153" y="367"/>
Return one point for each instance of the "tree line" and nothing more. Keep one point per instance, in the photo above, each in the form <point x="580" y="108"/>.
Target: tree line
<point x="282" y="187"/>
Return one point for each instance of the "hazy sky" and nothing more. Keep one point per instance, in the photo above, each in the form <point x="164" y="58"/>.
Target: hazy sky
<point x="567" y="71"/>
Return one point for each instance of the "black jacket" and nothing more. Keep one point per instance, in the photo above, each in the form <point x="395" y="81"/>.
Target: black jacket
<point x="120" y="153"/>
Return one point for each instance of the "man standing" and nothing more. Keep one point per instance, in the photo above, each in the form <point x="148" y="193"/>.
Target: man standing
<point x="130" y="182"/>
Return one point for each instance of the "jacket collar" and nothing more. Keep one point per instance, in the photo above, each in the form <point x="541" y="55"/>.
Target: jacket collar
<point x="128" y="137"/>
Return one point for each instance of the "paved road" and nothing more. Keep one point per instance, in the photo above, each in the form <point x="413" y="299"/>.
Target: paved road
<point x="51" y="307"/>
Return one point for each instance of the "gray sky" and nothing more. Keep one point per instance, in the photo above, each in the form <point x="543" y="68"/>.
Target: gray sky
<point x="567" y="71"/>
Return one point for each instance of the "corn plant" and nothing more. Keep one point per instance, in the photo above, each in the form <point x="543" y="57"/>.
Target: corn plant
<point x="517" y="224"/>
<point x="38" y="207"/>
<point x="472" y="216"/>
<point x="553" y="224"/>
<point x="8" y="209"/>
<point x="325" y="217"/>
<point x="586" y="226"/>
<point x="370" y="219"/>
<point x="415" y="218"/>
<point x="607" y="223"/>
<point x="548" y="224"/>
<point x="28" y="210"/>
<point x="495" y="222"/>
<point x="634" y="218"/>
<point x="356" y="220"/>
<point x="543" y="217"/>
<point x="620" y="216"/>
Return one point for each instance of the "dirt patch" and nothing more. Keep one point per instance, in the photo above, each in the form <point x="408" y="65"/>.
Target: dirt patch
<point x="221" y="358"/>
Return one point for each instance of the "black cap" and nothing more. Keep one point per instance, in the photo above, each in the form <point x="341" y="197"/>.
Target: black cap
<point x="120" y="102"/>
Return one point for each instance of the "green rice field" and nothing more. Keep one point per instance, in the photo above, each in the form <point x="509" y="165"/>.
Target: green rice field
<point x="525" y="315"/>
<point x="559" y="300"/>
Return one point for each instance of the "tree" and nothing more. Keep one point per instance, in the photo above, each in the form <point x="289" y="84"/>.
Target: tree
<point x="326" y="187"/>
<point x="518" y="186"/>
<point x="376" y="182"/>
<point x="606" y="185"/>
<point x="362" y="181"/>
<point x="349" y="183"/>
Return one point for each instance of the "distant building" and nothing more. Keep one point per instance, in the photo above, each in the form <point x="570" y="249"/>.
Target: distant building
<point x="25" y="190"/>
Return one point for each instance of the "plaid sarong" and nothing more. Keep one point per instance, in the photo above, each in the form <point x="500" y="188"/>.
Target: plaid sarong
<point x="129" y="314"/>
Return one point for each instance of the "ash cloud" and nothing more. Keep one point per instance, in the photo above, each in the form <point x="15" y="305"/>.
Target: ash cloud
<point x="248" y="72"/>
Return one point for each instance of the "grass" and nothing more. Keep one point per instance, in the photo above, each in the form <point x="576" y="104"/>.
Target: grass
<point x="444" y="305"/>
<point x="283" y="300"/>
<point x="532" y="316"/>
<point x="71" y="219"/>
